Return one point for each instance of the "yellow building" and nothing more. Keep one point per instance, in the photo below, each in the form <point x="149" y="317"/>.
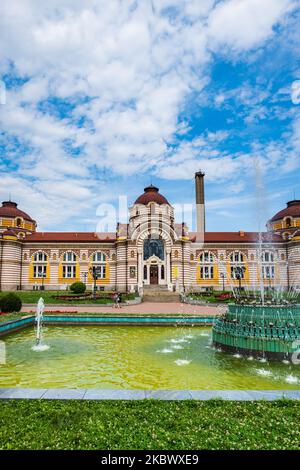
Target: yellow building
<point x="152" y="251"/>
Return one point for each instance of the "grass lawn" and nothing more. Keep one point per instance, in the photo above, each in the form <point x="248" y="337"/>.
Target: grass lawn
<point x="149" y="424"/>
<point x="32" y="297"/>
<point x="210" y="299"/>
<point x="11" y="316"/>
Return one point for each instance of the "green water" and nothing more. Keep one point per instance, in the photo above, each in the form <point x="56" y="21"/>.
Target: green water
<point x="135" y="358"/>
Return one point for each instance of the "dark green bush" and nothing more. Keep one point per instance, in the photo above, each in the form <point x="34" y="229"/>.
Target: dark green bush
<point x="78" y="288"/>
<point x="10" y="303"/>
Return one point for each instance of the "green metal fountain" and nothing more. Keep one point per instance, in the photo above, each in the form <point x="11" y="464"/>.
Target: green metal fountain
<point x="265" y="331"/>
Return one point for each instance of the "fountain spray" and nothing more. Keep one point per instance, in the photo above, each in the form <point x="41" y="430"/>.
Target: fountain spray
<point x="39" y="346"/>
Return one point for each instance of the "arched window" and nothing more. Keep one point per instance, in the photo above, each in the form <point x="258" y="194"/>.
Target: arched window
<point x="237" y="265"/>
<point x="69" y="265"/>
<point x="19" y="222"/>
<point x="40" y="257"/>
<point x="237" y="257"/>
<point x="206" y="265"/>
<point x="145" y="273"/>
<point x="153" y="247"/>
<point x="69" y="257"/>
<point x="99" y="257"/>
<point x="206" y="257"/>
<point x="288" y="222"/>
<point x="40" y="264"/>
<point x="99" y="262"/>
<point x="268" y="266"/>
<point x="267" y="257"/>
<point x="162" y="273"/>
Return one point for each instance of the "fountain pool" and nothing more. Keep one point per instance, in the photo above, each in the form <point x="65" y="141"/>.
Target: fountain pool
<point x="129" y="357"/>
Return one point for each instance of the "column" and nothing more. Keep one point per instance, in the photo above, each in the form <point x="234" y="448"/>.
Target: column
<point x="168" y="273"/>
<point x="140" y="269"/>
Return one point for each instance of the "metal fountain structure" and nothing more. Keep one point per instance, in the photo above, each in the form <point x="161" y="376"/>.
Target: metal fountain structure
<point x="261" y="323"/>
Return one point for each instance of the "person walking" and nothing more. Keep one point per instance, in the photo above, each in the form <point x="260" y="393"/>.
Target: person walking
<point x="115" y="299"/>
<point x="119" y="299"/>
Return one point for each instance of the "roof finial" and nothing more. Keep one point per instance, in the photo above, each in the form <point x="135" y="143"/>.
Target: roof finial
<point x="9" y="197"/>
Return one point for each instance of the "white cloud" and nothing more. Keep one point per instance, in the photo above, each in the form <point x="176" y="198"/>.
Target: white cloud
<point x="129" y="68"/>
<point x="244" y="24"/>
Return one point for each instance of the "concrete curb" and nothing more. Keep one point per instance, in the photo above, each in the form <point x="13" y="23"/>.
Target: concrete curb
<point x="166" y="395"/>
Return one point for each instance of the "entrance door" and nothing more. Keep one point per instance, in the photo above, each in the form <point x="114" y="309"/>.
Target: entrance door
<point x="153" y="274"/>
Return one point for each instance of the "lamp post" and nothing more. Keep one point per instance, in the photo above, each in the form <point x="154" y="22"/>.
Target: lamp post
<point x="84" y="277"/>
<point x="239" y="274"/>
<point x="94" y="272"/>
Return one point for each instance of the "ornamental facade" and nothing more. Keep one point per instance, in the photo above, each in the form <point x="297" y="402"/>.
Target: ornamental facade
<point x="151" y="251"/>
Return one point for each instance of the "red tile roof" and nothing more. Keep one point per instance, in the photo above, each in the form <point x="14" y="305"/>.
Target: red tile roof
<point x="209" y="237"/>
<point x="234" y="237"/>
<point x="10" y="209"/>
<point x="151" y="194"/>
<point x="292" y="210"/>
<point x="79" y="237"/>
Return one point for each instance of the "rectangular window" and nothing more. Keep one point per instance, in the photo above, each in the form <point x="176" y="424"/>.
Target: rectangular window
<point x="69" y="272"/>
<point x="132" y="272"/>
<point x="101" y="271"/>
<point x="237" y="273"/>
<point x="268" y="272"/>
<point x="207" y="272"/>
<point x="39" y="271"/>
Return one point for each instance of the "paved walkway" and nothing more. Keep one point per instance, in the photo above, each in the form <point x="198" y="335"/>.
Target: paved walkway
<point x="143" y="308"/>
<point x="107" y="394"/>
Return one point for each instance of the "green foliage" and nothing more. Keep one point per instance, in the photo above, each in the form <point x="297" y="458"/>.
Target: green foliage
<point x="10" y="303"/>
<point x="149" y="424"/>
<point x="78" y="288"/>
<point x="53" y="297"/>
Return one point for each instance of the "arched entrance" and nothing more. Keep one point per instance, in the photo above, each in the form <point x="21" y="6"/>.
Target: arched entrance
<point x="154" y="249"/>
<point x="154" y="261"/>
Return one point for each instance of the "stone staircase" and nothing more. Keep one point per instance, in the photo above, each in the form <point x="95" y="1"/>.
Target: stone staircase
<point x="157" y="293"/>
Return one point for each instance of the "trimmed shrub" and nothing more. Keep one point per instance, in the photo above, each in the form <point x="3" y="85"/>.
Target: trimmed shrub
<point x="78" y="288"/>
<point x="10" y="303"/>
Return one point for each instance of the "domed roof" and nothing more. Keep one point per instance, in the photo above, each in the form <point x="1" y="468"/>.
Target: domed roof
<point x="9" y="233"/>
<point x="10" y="209"/>
<point x="151" y="194"/>
<point x="292" y="210"/>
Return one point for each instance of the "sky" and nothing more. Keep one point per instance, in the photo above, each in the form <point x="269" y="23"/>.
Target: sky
<point x="101" y="98"/>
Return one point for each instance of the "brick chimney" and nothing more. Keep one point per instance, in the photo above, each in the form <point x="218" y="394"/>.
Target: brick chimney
<point x="200" y="201"/>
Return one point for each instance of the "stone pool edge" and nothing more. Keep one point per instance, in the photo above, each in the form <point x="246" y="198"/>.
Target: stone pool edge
<point x="167" y="395"/>
<point x="13" y="326"/>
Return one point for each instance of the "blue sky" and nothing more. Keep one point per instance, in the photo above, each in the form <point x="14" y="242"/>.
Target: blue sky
<point x="103" y="98"/>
